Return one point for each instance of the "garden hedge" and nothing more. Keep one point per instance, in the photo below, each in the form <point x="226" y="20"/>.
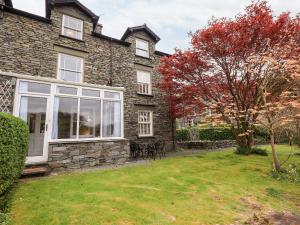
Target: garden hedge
<point x="213" y="133"/>
<point x="14" y="137"/>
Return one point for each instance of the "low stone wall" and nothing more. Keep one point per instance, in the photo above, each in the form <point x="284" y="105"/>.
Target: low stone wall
<point x="206" y="144"/>
<point x="213" y="144"/>
<point x="77" y="155"/>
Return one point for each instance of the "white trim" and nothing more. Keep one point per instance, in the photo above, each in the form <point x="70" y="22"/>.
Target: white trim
<point x="49" y="112"/>
<point x="141" y="49"/>
<point x="141" y="83"/>
<point x="17" y="104"/>
<point x="151" y="123"/>
<point x="53" y="80"/>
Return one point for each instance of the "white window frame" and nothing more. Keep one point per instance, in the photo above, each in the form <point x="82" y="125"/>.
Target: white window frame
<point x="63" y="27"/>
<point x="59" y="67"/>
<point x="141" y="49"/>
<point x="140" y="85"/>
<point x="150" y="123"/>
<point x="79" y="96"/>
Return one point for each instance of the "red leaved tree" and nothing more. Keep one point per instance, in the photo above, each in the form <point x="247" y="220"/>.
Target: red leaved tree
<point x="219" y="72"/>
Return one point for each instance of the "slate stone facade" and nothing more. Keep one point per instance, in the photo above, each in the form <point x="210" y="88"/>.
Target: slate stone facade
<point x="67" y="156"/>
<point x="30" y="45"/>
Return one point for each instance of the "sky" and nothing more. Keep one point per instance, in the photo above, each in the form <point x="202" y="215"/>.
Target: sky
<point x="171" y="20"/>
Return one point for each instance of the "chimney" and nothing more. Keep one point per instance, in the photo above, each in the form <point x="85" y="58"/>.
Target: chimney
<point x="98" y="28"/>
<point x="6" y="2"/>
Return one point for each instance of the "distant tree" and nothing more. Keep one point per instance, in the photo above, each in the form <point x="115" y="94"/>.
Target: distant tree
<point x="221" y="70"/>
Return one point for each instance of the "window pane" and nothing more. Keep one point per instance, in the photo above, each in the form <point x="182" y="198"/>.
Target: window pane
<point x="70" y="68"/>
<point x="72" y="27"/>
<point x="91" y="93"/>
<point x="113" y="95"/>
<point x="72" y="63"/>
<point x="142" y="53"/>
<point x="145" y="123"/>
<point x="111" y="119"/>
<point x="65" y="118"/>
<point x="142" y="44"/>
<point x="34" y="87"/>
<point x="66" y="90"/>
<point x="89" y="122"/>
<point x="143" y="76"/>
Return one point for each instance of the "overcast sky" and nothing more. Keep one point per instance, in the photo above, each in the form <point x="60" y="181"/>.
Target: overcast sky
<point x="171" y="20"/>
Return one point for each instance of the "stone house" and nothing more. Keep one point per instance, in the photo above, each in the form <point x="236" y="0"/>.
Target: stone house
<point x="84" y="95"/>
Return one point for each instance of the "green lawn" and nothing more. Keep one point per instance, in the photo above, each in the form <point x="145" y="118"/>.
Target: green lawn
<point x="210" y="188"/>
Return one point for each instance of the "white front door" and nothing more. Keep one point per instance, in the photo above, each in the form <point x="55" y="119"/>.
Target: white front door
<point x="33" y="110"/>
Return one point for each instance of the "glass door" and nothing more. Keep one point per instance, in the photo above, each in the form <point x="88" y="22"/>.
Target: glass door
<point x="33" y="110"/>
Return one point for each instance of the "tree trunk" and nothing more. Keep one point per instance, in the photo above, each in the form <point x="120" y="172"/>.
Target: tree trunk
<point x="173" y="125"/>
<point x="276" y="163"/>
<point x="245" y="141"/>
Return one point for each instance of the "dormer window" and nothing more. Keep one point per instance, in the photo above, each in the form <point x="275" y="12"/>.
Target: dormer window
<point x="142" y="48"/>
<point x="72" y="27"/>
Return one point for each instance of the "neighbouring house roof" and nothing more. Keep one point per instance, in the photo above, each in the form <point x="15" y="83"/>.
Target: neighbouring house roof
<point x="104" y="37"/>
<point x="52" y="3"/>
<point x="161" y="53"/>
<point x="8" y="3"/>
<point x="144" y="28"/>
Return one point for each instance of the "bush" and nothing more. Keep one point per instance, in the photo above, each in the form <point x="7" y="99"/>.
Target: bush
<point x="250" y="151"/>
<point x="182" y="135"/>
<point x="207" y="133"/>
<point x="215" y="134"/>
<point x="259" y="151"/>
<point x="261" y="133"/>
<point x="4" y="219"/>
<point x="14" y="137"/>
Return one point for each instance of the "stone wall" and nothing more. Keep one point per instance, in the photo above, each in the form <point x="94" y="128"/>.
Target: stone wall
<point x="29" y="46"/>
<point x="77" y="155"/>
<point x="7" y="90"/>
<point x="206" y="144"/>
<point x="213" y="144"/>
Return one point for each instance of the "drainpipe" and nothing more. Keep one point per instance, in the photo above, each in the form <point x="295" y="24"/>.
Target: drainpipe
<point x="1" y="9"/>
<point x="110" y="73"/>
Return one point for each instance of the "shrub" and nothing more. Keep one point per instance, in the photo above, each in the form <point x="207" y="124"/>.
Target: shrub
<point x="4" y="219"/>
<point x="208" y="133"/>
<point x="242" y="151"/>
<point x="251" y="151"/>
<point x="261" y="133"/>
<point x="13" y="151"/>
<point x="259" y="151"/>
<point x="182" y="135"/>
<point x="215" y="133"/>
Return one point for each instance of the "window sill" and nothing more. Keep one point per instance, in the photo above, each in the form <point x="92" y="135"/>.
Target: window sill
<point x="85" y="140"/>
<point x="143" y="57"/>
<point x="146" y="137"/>
<point x="146" y="95"/>
<point x="74" y="39"/>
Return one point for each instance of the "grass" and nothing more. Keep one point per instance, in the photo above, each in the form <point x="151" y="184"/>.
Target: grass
<point x="209" y="188"/>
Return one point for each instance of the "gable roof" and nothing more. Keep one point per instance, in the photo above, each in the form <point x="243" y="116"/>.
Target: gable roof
<point x="144" y="28"/>
<point x="52" y="3"/>
<point x="8" y="3"/>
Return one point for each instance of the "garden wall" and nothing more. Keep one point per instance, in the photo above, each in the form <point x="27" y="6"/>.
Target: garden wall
<point x="77" y="155"/>
<point x="212" y="144"/>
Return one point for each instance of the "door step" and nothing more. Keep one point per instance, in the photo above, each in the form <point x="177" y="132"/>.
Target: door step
<point x="35" y="171"/>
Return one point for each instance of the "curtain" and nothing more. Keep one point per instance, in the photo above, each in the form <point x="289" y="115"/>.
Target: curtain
<point x="111" y="119"/>
<point x="55" y="118"/>
<point x="117" y="119"/>
<point x="24" y="108"/>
